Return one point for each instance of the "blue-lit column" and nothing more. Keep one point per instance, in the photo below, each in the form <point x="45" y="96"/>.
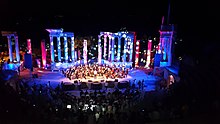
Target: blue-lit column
<point x="65" y="49"/>
<point x="10" y="48"/>
<point x="119" y="49"/>
<point x="99" y="50"/>
<point x="75" y="55"/>
<point x="131" y="49"/>
<point x="109" y="48"/>
<point x="169" y="49"/>
<point x="51" y="49"/>
<point x="59" y="48"/>
<point x="125" y="50"/>
<point x="17" y="49"/>
<point x="113" y="49"/>
<point x="105" y="46"/>
<point x="85" y="51"/>
<point x="72" y="49"/>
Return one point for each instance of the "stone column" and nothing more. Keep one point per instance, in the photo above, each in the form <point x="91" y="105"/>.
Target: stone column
<point x="99" y="50"/>
<point x="10" y="48"/>
<point x="29" y="46"/>
<point x="51" y="49"/>
<point x="76" y="56"/>
<point x="72" y="48"/>
<point x="113" y="49"/>
<point x="125" y="50"/>
<point x="65" y="49"/>
<point x="109" y="48"/>
<point x="44" y="54"/>
<point x="17" y="49"/>
<point x="59" y="48"/>
<point x="85" y="51"/>
<point x="137" y="45"/>
<point x="119" y="49"/>
<point x="170" y="50"/>
<point x="105" y="47"/>
<point x="131" y="50"/>
<point x="148" y="53"/>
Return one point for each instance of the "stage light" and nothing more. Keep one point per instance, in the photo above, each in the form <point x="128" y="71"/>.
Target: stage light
<point x="68" y="106"/>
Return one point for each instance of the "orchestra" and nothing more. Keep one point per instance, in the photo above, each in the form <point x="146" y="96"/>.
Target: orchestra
<point x="95" y="70"/>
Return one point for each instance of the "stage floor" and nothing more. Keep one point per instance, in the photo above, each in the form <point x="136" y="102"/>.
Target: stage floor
<point x="56" y="78"/>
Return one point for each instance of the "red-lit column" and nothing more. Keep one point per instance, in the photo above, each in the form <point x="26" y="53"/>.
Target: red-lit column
<point x="149" y="53"/>
<point x="137" y="52"/>
<point x="44" y="54"/>
<point x="29" y="46"/>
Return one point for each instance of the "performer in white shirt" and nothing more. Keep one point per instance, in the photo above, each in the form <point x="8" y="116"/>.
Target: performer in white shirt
<point x="95" y="74"/>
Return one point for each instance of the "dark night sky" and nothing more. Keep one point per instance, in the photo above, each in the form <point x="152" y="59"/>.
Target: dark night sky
<point x="195" y="21"/>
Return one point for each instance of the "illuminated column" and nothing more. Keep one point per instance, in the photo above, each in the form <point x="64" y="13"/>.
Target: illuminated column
<point x="133" y="43"/>
<point x="163" y="47"/>
<point x="99" y="50"/>
<point x="158" y="49"/>
<point x="51" y="49"/>
<point x="65" y="49"/>
<point x="125" y="50"/>
<point x="10" y="48"/>
<point x="149" y="53"/>
<point x="72" y="48"/>
<point x="59" y="48"/>
<point x="85" y="51"/>
<point x="75" y="55"/>
<point x="105" y="46"/>
<point x="29" y="46"/>
<point x="43" y="50"/>
<point x="137" y="52"/>
<point x="169" y="52"/>
<point x="113" y="49"/>
<point x="119" y="49"/>
<point x="131" y="49"/>
<point x="109" y="48"/>
<point x="17" y="49"/>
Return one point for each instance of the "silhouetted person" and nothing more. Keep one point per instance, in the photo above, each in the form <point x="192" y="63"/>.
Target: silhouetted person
<point x="139" y="84"/>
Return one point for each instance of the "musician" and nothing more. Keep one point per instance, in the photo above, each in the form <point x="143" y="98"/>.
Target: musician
<point x="95" y="74"/>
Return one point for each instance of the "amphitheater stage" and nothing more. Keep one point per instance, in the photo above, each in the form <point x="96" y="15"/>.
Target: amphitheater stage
<point x="57" y="77"/>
